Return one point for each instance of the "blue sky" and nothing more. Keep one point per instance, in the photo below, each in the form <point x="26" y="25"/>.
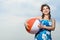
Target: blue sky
<point x="13" y="14"/>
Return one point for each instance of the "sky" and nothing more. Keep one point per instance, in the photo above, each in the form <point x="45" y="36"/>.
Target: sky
<point x="13" y="14"/>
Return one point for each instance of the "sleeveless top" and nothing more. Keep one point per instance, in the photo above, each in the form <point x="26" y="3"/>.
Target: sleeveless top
<point x="44" y="34"/>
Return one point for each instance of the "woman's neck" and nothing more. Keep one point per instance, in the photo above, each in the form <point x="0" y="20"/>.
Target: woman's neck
<point x="46" y="17"/>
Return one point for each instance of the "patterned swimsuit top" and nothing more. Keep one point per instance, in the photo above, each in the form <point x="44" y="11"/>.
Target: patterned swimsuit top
<point x="46" y="22"/>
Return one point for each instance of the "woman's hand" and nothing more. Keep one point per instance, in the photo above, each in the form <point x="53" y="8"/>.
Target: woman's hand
<point x="48" y="27"/>
<point x="26" y="25"/>
<point x="41" y="26"/>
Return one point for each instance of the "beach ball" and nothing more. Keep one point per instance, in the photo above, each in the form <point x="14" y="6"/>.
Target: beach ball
<point x="32" y="26"/>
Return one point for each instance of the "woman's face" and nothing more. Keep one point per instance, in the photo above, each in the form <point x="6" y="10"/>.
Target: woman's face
<point x="45" y="10"/>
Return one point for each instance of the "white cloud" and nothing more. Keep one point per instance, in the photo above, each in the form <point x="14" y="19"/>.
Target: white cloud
<point x="12" y="27"/>
<point x="22" y="7"/>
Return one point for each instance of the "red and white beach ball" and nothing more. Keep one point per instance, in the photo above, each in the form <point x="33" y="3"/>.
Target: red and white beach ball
<point x="32" y="25"/>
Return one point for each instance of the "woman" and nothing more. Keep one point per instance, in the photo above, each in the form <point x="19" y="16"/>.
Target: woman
<point x="47" y="24"/>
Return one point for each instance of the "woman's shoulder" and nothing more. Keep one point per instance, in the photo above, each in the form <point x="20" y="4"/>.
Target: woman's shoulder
<point x="39" y="17"/>
<point x="53" y="19"/>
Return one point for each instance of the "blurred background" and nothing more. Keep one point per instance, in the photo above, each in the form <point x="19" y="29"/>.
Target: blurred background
<point x="13" y="14"/>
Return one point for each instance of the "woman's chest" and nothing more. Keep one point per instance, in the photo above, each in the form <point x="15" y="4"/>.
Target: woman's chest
<point x="46" y="22"/>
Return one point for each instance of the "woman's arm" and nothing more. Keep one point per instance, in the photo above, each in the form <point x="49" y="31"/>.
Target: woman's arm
<point x="49" y="28"/>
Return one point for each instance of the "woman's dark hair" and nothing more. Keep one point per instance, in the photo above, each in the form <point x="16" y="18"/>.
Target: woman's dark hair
<point x="42" y="10"/>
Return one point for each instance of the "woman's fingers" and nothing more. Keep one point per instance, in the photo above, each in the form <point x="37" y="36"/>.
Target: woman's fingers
<point x="39" y="25"/>
<point x="26" y="25"/>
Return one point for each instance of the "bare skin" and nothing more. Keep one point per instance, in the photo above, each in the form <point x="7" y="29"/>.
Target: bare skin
<point x="49" y="28"/>
<point x="46" y="17"/>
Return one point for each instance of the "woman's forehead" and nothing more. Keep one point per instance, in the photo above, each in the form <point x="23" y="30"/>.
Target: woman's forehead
<point x="45" y="7"/>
